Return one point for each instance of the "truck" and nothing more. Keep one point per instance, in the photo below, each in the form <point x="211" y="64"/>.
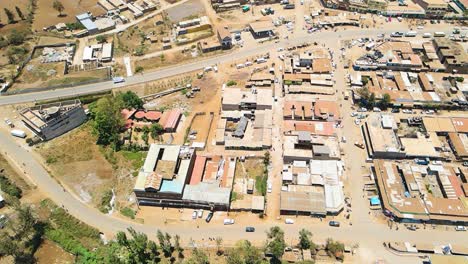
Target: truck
<point x="18" y="133"/>
<point x="411" y="34"/>
<point x="439" y="34"/>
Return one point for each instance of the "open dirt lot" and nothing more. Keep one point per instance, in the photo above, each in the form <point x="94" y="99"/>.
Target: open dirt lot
<point x="47" y="16"/>
<point x="133" y="38"/>
<point x="190" y="9"/>
<point x="37" y="74"/>
<point x="81" y="165"/>
<point x="201" y="126"/>
<point x="10" y="4"/>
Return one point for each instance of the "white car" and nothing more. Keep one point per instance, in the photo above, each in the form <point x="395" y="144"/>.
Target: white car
<point x="407" y="111"/>
<point x="376" y="109"/>
<point x="357" y="122"/>
<point x="228" y="221"/>
<point x="289" y="221"/>
<point x="353" y="114"/>
<point x="460" y="228"/>
<point x="200" y="213"/>
<point x="362" y="109"/>
<point x="194" y="214"/>
<point x="270" y="187"/>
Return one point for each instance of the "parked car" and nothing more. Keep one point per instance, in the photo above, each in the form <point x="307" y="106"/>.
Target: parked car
<point x="395" y="110"/>
<point x="359" y="144"/>
<point x="376" y="109"/>
<point x="460" y="228"/>
<point x="208" y="217"/>
<point x="334" y="223"/>
<point x="194" y="214"/>
<point x="270" y="187"/>
<point x="9" y="123"/>
<point x="200" y="213"/>
<point x="362" y="109"/>
<point x="228" y="221"/>
<point x="118" y="79"/>
<point x="465" y="164"/>
<point x="407" y="111"/>
<point x="250" y="229"/>
<point x="289" y="221"/>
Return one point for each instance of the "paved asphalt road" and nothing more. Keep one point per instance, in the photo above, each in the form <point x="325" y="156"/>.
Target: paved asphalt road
<point x="367" y="234"/>
<point x="197" y="65"/>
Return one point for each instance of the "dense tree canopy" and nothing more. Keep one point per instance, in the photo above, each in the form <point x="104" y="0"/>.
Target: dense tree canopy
<point x="108" y="120"/>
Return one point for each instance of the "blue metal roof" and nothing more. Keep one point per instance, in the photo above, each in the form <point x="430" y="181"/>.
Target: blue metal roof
<point x="88" y="24"/>
<point x="375" y="200"/>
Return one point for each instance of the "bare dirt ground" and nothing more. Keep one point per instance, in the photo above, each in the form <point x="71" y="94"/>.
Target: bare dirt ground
<point x="50" y="253"/>
<point x="47" y="16"/>
<point x="81" y="165"/>
<point x="131" y="39"/>
<point x="190" y="9"/>
<point x="201" y="125"/>
<point x="21" y="4"/>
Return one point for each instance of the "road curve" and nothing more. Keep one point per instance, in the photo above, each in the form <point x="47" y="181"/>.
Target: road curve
<point x="193" y="66"/>
<point x="365" y="233"/>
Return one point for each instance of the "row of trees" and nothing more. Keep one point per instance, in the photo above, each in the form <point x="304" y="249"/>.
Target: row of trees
<point x="369" y="99"/>
<point x="11" y="17"/>
<point x="25" y="232"/>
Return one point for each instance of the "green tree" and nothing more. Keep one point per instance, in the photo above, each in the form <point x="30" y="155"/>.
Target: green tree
<point x="108" y="120"/>
<point x="10" y="15"/>
<point x="219" y="244"/>
<point x="156" y="130"/>
<point x="129" y="100"/>
<point x="177" y="247"/>
<point x="198" y="257"/>
<point x="9" y="187"/>
<point x="335" y="248"/>
<point x="136" y="249"/>
<point x="139" y="69"/>
<point x="58" y="6"/>
<point x="385" y="101"/>
<point x="164" y="242"/>
<point x="266" y="158"/>
<point x="18" y="11"/>
<point x="244" y="253"/>
<point x="101" y="39"/>
<point x="16" y="37"/>
<point x="305" y="239"/>
<point x="276" y="243"/>
<point x="22" y="236"/>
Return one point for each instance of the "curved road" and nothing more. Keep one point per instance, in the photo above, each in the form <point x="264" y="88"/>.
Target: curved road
<point x="368" y="234"/>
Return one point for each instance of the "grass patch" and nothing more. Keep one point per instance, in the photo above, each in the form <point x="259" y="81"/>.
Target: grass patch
<point x="136" y="157"/>
<point x="261" y="184"/>
<point x="128" y="212"/>
<point x="71" y="80"/>
<point x="70" y="233"/>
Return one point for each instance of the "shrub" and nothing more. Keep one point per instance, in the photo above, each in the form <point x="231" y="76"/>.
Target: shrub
<point x="231" y="83"/>
<point x="128" y="212"/>
<point x="9" y="187"/>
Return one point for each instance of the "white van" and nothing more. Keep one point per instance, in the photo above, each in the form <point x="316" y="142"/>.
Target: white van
<point x="427" y="35"/>
<point x="228" y="221"/>
<point x="289" y="221"/>
<point x="18" y="133"/>
<point x="240" y="66"/>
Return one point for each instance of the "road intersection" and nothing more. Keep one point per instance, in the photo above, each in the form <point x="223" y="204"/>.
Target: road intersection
<point x="364" y="231"/>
